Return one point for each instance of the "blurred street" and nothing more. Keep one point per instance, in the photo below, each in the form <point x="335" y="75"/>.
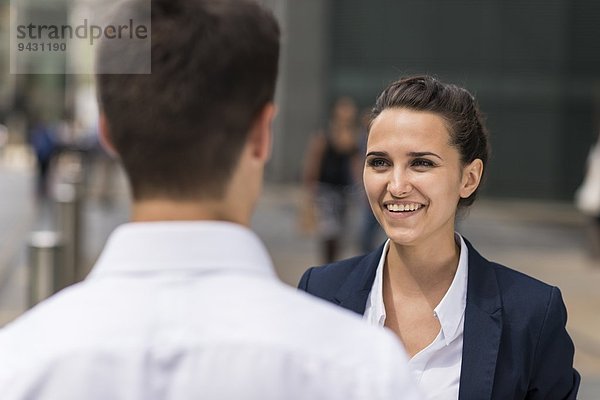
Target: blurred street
<point x="545" y="240"/>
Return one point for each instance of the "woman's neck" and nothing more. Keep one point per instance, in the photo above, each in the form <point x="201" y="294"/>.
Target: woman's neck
<point x="425" y="269"/>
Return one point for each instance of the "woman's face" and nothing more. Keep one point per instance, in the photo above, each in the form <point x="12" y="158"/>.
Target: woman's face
<point x="413" y="177"/>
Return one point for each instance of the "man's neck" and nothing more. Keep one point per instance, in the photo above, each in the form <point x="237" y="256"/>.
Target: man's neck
<point x="189" y="210"/>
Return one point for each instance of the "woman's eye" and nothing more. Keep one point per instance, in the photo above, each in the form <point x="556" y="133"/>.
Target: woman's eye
<point x="422" y="163"/>
<point x="377" y="162"/>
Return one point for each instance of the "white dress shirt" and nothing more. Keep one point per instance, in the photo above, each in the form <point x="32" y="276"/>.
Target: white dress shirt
<point x="193" y="310"/>
<point x="437" y="367"/>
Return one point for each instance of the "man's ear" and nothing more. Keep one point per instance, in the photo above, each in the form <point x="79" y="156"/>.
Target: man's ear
<point x="471" y="178"/>
<point x="260" y="138"/>
<point x="104" y="135"/>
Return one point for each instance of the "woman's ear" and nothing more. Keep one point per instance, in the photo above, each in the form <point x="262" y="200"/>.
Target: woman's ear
<point x="104" y="135"/>
<point x="471" y="178"/>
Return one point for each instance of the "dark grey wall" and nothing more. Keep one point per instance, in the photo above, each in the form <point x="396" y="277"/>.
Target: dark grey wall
<point x="533" y="65"/>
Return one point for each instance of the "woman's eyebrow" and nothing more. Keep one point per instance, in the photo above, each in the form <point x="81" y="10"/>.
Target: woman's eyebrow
<point x="423" y="154"/>
<point x="377" y="153"/>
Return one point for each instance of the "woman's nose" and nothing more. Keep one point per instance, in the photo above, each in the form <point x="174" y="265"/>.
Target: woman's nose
<point x="399" y="184"/>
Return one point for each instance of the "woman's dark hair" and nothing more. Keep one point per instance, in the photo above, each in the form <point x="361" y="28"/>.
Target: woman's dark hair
<point x="456" y="105"/>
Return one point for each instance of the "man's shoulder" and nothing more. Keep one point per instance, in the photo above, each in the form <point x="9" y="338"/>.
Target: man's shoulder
<point x="39" y="327"/>
<point x="341" y="342"/>
<point x="267" y="328"/>
<point x="330" y="328"/>
<point x="261" y="312"/>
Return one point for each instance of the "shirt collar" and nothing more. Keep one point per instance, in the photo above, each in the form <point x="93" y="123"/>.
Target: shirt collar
<point x="449" y="311"/>
<point x="183" y="245"/>
<point x="375" y="309"/>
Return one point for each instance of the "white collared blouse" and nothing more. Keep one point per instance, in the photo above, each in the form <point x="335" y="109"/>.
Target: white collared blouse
<point x="436" y="368"/>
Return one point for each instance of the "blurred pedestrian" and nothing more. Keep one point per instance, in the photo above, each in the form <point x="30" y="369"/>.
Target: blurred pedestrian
<point x="330" y="167"/>
<point x="45" y="146"/>
<point x="474" y="329"/>
<point x="587" y="197"/>
<point x="184" y="302"/>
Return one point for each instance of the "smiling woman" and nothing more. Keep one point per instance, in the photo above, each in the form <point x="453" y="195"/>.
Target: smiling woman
<point x="474" y="329"/>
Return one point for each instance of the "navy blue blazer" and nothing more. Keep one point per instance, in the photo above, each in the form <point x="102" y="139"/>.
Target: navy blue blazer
<point x="515" y="345"/>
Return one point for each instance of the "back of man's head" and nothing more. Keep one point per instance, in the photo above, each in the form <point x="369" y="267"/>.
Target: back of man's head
<point x="179" y="130"/>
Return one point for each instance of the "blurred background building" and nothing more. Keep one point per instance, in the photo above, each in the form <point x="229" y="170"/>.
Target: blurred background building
<point x="533" y="65"/>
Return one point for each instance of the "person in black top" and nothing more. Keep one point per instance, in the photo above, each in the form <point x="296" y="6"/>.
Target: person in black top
<point x="331" y="163"/>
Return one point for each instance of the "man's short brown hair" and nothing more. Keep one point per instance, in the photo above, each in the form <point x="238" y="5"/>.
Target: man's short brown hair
<point x="179" y="131"/>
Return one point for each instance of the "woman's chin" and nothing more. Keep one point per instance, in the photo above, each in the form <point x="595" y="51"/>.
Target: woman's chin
<point x="403" y="237"/>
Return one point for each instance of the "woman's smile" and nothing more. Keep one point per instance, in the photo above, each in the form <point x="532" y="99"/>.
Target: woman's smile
<point x="401" y="210"/>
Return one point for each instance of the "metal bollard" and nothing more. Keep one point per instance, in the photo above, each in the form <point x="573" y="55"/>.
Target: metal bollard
<point x="46" y="275"/>
<point x="72" y="172"/>
<point x="68" y="213"/>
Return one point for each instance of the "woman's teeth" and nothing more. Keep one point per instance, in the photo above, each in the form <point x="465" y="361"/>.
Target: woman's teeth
<point x="403" y="207"/>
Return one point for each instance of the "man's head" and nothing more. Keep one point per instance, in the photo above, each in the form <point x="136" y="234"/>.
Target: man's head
<point x="181" y="131"/>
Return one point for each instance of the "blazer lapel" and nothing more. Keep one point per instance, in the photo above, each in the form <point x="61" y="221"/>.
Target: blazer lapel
<point x="483" y="329"/>
<point x="353" y="294"/>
